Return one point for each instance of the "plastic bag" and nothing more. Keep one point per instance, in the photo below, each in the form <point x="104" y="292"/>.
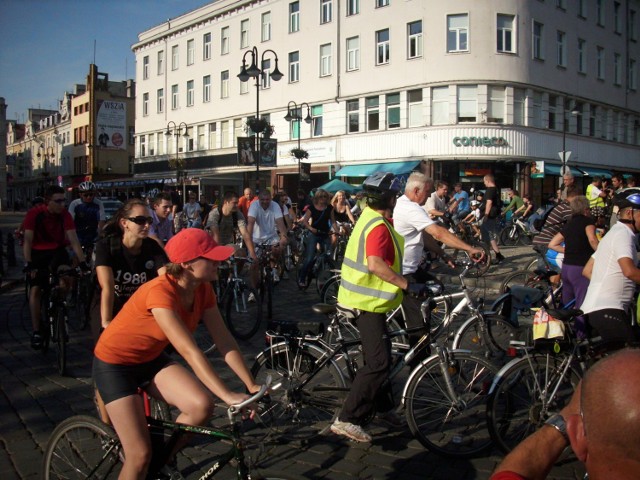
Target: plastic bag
<point x="546" y="326"/>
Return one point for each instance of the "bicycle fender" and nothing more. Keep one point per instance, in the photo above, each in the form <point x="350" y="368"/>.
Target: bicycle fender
<point x="502" y="371"/>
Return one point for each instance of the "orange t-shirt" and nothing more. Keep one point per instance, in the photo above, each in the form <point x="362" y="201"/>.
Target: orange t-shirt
<point x="134" y="336"/>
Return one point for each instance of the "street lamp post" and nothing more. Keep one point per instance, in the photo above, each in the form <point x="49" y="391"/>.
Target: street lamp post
<point x="259" y="74"/>
<point x="564" y="154"/>
<point x="176" y="131"/>
<point x="294" y="113"/>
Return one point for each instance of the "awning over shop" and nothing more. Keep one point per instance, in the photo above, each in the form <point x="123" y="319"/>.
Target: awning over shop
<point x="550" y="169"/>
<point x="596" y="172"/>
<point x="397" y="168"/>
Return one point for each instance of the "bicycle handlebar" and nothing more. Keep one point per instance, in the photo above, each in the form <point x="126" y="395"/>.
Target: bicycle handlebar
<point x="233" y="410"/>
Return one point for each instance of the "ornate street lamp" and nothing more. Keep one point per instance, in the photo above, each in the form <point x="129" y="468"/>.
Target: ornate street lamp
<point x="564" y="155"/>
<point x="178" y="163"/>
<point x="259" y="74"/>
<point x="294" y="114"/>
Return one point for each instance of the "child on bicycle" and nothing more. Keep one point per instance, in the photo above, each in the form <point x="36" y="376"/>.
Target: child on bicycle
<point x="473" y="218"/>
<point x="130" y="353"/>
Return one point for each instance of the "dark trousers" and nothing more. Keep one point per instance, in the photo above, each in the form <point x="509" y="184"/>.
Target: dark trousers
<point x="370" y="389"/>
<point x="411" y="307"/>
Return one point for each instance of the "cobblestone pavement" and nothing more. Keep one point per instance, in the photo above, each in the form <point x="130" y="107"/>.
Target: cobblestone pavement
<point x="33" y="399"/>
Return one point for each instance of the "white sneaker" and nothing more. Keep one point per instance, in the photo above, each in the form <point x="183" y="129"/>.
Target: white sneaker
<point x="251" y="298"/>
<point x="350" y="430"/>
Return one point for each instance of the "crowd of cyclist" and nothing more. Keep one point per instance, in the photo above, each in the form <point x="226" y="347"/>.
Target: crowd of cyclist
<point x="152" y="266"/>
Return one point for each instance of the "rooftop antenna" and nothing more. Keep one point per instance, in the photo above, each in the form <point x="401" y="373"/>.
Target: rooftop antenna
<point x="126" y="67"/>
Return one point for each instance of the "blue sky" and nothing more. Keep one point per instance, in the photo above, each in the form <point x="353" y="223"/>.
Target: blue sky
<point x="46" y="46"/>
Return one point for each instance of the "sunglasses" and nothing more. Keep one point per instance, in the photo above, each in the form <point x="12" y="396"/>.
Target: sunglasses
<point x="88" y="194"/>
<point x="141" y="220"/>
<point x="60" y="200"/>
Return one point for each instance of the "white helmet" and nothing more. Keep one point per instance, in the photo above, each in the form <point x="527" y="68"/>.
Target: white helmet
<point x="87" y="187"/>
<point x="475" y="203"/>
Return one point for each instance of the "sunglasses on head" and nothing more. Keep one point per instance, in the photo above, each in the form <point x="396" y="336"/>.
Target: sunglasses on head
<point x="141" y="220"/>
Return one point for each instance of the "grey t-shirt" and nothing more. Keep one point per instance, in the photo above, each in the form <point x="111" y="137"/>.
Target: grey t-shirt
<point x="224" y="224"/>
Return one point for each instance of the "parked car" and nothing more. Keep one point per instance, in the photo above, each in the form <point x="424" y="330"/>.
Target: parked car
<point x="111" y="207"/>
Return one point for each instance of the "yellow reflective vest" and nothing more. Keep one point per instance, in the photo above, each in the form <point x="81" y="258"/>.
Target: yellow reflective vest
<point x="594" y="202"/>
<point x="359" y="288"/>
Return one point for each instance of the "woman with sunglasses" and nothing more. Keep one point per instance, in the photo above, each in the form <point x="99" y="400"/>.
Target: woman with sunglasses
<point x="125" y="259"/>
<point x="167" y="310"/>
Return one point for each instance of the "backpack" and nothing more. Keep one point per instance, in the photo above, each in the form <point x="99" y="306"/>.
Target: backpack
<point x="538" y="223"/>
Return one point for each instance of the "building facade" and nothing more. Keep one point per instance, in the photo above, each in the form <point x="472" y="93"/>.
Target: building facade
<point x="457" y="89"/>
<point x="89" y="137"/>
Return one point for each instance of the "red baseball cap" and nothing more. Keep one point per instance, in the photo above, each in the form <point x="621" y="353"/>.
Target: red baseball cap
<point x="191" y="243"/>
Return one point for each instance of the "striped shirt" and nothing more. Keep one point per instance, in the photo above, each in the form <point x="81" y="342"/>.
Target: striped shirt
<point x="554" y="223"/>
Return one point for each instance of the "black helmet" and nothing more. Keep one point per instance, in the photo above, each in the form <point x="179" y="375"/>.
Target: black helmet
<point x="629" y="197"/>
<point x="381" y="183"/>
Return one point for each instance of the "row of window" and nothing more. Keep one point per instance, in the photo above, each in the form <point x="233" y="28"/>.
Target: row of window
<point x="470" y="104"/>
<point x="457" y="41"/>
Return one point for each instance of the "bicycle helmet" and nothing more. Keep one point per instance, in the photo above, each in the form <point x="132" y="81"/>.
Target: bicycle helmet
<point x="629" y="197"/>
<point x="475" y="203"/>
<point x="87" y="187"/>
<point x="382" y="183"/>
<point x="153" y="193"/>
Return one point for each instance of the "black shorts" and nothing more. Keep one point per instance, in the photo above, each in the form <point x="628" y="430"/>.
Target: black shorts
<point x="119" y="381"/>
<point x="613" y="327"/>
<point x="46" y="261"/>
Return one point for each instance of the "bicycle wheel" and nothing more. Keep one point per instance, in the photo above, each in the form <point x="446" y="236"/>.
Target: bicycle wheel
<point x="203" y="339"/>
<point x="481" y="267"/>
<point x="60" y="337"/>
<point x="533" y="265"/>
<point x="499" y="334"/>
<point x="268" y="293"/>
<point x="304" y="400"/>
<point x="439" y="315"/>
<point x="329" y="292"/>
<point x="510" y="235"/>
<point x="522" y="278"/>
<point x="45" y="326"/>
<point x="324" y="271"/>
<point x="82" y="447"/>
<point x="527" y="392"/>
<point x="243" y="310"/>
<point x="81" y="308"/>
<point x="450" y="426"/>
<point x="160" y="410"/>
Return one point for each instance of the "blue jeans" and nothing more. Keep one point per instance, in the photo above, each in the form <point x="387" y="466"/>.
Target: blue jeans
<point x="310" y="252"/>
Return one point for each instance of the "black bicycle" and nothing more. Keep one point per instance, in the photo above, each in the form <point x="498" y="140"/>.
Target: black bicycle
<point x="241" y="305"/>
<point x="444" y="396"/>
<point x="54" y="316"/>
<point x="83" y="447"/>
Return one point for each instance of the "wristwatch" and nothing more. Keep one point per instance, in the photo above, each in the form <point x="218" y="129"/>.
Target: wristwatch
<point x="557" y="422"/>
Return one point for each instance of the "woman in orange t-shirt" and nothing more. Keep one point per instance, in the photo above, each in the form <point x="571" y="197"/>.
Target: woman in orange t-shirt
<point x="130" y="352"/>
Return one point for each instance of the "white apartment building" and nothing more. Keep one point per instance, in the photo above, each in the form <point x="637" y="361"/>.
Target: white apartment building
<point x="455" y="88"/>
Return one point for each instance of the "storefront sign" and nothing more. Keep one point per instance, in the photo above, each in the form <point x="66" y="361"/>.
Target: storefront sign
<point x="480" y="142"/>
<point x="537" y="169"/>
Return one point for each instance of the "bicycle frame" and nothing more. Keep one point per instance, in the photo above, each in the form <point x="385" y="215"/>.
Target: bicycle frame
<point x="218" y="462"/>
